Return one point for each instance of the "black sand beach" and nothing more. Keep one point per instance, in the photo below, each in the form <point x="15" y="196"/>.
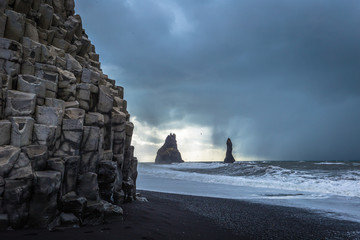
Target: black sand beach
<point x="170" y="216"/>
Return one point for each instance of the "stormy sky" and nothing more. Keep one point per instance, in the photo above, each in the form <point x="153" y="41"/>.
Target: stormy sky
<point x="280" y="78"/>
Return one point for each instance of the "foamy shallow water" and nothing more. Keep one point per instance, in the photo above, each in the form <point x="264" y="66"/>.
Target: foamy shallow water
<point x="320" y="187"/>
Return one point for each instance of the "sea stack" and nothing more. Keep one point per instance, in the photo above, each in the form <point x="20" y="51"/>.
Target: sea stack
<point x="65" y="132"/>
<point x="169" y="152"/>
<point x="229" y="157"/>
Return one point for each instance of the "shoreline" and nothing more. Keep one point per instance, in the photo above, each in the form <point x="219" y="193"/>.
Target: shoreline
<point x="328" y="189"/>
<point x="175" y="216"/>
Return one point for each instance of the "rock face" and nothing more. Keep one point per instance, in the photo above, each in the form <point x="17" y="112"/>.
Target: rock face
<point x="229" y="157"/>
<point x="169" y="152"/>
<point x="65" y="133"/>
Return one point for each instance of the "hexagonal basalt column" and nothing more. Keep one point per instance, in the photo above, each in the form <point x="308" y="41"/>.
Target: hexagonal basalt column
<point x="21" y="132"/>
<point x="83" y="95"/>
<point x="89" y="149"/>
<point x="45" y="135"/>
<point x="10" y="50"/>
<point x="8" y="157"/>
<point x="5" y="131"/>
<point x="31" y="84"/>
<point x="15" y="25"/>
<point x="67" y="85"/>
<point x="20" y="103"/>
<point x="129" y="132"/>
<point x="119" y="136"/>
<point x="22" y="169"/>
<point x="23" y="6"/>
<point x="17" y="195"/>
<point x="97" y="120"/>
<point x="90" y="141"/>
<point x="43" y="205"/>
<point x="88" y="186"/>
<point x="38" y="155"/>
<point x="105" y="103"/>
<point x="71" y="174"/>
<point x="50" y="116"/>
<point x="106" y="177"/>
<point x="90" y="76"/>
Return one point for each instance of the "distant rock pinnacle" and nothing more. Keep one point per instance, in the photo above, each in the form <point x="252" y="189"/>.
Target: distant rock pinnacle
<point x="169" y="152"/>
<point x="229" y="157"/>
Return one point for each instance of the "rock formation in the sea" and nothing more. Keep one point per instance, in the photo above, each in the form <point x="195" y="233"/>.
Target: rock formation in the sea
<point x="65" y="134"/>
<point x="169" y="152"/>
<point x="229" y="157"/>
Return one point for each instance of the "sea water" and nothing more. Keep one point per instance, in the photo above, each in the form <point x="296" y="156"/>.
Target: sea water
<point x="331" y="188"/>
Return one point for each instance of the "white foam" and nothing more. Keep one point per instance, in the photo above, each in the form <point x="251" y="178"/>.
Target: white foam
<point x="330" y="163"/>
<point x="195" y="165"/>
<point x="274" y="177"/>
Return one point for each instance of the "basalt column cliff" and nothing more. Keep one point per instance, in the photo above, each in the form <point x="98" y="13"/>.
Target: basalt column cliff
<point x="65" y="136"/>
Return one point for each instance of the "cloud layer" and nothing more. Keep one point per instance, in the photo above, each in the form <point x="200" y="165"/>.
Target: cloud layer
<point x="281" y="78"/>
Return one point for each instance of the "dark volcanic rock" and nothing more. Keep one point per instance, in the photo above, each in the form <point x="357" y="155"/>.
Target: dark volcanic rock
<point x="65" y="132"/>
<point x="106" y="178"/>
<point x="69" y="220"/>
<point x="229" y="157"/>
<point x="63" y="221"/>
<point x="72" y="203"/>
<point x="38" y="156"/>
<point x="98" y="212"/>
<point x="88" y="186"/>
<point x="16" y="201"/>
<point x="3" y="221"/>
<point x="43" y="204"/>
<point x="169" y="152"/>
<point x="94" y="213"/>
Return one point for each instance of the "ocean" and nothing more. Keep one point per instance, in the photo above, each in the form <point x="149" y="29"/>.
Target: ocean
<point x="330" y="188"/>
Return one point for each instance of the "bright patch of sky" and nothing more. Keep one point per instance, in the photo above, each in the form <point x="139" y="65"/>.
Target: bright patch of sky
<point x="194" y="142"/>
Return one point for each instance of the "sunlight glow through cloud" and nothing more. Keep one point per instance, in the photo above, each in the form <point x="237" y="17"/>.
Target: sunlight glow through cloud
<point x="194" y="142"/>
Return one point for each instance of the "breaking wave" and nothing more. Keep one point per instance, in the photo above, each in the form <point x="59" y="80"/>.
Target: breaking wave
<point x="333" y="178"/>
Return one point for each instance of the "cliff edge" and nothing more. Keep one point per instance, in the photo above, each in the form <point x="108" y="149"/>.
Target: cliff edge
<point x="65" y="132"/>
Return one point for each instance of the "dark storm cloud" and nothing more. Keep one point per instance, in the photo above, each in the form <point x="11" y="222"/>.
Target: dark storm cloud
<point x="281" y="78"/>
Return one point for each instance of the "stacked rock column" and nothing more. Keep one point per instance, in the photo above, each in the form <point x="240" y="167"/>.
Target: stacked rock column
<point x="65" y="133"/>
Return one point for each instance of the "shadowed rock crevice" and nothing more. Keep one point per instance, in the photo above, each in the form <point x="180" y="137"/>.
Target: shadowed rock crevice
<point x="65" y="133"/>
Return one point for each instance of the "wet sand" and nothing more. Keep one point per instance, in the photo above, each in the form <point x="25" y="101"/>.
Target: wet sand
<point x="172" y="216"/>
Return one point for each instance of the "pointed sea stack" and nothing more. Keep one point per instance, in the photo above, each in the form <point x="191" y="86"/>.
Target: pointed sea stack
<point x="229" y="157"/>
<point x="169" y="152"/>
